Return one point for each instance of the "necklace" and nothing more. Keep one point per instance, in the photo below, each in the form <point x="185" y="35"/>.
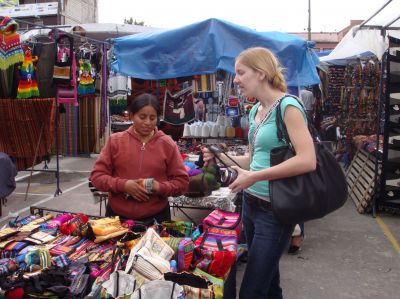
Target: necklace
<point x="144" y="139"/>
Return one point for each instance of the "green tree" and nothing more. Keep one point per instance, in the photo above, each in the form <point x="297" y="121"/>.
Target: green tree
<point x="134" y="22"/>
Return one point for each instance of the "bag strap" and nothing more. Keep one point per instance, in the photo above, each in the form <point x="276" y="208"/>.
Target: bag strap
<point x="281" y="130"/>
<point x="117" y="286"/>
<point x="261" y="123"/>
<point x="173" y="289"/>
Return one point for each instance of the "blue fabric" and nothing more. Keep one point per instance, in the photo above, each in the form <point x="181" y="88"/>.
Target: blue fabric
<point x="207" y="46"/>
<point x="267" y="239"/>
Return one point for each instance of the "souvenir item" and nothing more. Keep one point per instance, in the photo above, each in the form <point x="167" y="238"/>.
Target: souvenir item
<point x="183" y="248"/>
<point x="194" y="285"/>
<point x="232" y="111"/>
<point x="86" y="83"/>
<point x="27" y="86"/>
<point x="222" y="219"/>
<point x="204" y="83"/>
<point x="179" y="107"/>
<point x="62" y="66"/>
<point x="216" y="251"/>
<point x="10" y="47"/>
<point x="159" y="289"/>
<point x="217" y="283"/>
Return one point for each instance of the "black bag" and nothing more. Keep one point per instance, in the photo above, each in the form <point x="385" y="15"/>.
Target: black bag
<point x="310" y="195"/>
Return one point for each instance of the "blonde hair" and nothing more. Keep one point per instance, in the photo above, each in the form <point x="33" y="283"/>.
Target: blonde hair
<point x="263" y="60"/>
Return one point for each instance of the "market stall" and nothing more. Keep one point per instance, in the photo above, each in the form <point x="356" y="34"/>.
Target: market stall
<point x="195" y="64"/>
<point x="379" y="35"/>
<point x="53" y="92"/>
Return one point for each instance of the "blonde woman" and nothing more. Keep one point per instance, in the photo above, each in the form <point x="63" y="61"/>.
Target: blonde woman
<point x="259" y="75"/>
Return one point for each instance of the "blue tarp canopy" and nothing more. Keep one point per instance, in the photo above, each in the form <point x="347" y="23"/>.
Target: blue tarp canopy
<point x="207" y="46"/>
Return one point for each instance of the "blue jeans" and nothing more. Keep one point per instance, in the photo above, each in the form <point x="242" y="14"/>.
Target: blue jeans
<point x="267" y="239"/>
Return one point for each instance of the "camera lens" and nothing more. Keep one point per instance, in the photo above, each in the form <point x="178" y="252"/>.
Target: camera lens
<point x="228" y="176"/>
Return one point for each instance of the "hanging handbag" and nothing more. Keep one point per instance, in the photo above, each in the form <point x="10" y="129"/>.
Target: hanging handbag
<point x="62" y="69"/>
<point x="307" y="196"/>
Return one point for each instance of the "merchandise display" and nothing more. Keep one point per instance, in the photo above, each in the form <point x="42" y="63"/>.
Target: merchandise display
<point x="73" y="255"/>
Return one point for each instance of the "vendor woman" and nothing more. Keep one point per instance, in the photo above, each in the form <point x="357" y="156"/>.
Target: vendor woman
<point x="140" y="167"/>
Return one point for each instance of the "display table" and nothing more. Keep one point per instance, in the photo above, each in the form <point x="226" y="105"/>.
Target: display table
<point x="222" y="199"/>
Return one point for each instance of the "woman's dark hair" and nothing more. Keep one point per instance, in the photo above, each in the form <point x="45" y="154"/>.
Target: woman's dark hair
<point x="143" y="100"/>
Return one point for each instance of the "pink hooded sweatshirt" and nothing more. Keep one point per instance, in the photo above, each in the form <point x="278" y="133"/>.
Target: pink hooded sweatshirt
<point x="124" y="157"/>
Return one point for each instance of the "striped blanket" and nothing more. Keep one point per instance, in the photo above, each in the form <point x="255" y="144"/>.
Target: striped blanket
<point x="21" y="121"/>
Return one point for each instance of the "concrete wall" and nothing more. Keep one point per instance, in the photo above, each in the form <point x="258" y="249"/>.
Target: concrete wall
<point x="79" y="11"/>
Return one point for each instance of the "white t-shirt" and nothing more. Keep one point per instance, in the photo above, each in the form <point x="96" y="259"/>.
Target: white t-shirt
<point x="308" y="99"/>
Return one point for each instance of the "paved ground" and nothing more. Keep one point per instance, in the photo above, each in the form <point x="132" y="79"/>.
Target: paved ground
<point x="345" y="255"/>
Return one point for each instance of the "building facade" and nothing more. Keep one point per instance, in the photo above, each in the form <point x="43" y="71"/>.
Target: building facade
<point x="327" y="40"/>
<point x="48" y="12"/>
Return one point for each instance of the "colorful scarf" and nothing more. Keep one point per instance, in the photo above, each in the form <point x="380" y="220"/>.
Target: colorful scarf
<point x="10" y="47"/>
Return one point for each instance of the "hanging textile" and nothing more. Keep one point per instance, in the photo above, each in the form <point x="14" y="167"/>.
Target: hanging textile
<point x="204" y="83"/>
<point x="88" y="131"/>
<point x="21" y="122"/>
<point x="118" y="86"/>
<point x="10" y="47"/>
<point x="86" y="83"/>
<point x="27" y="86"/>
<point x="103" y="92"/>
<point x="68" y="131"/>
<point x="179" y="108"/>
<point x="44" y="68"/>
<point x="63" y="60"/>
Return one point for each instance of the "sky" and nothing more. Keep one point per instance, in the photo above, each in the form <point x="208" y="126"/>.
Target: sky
<point x="261" y="15"/>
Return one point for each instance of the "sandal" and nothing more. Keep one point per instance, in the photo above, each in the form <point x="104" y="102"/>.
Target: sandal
<point x="295" y="244"/>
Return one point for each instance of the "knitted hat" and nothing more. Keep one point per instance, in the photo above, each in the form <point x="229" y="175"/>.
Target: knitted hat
<point x="10" y="47"/>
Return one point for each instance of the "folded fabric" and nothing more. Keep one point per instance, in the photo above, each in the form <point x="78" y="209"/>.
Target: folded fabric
<point x="7" y="232"/>
<point x="39" y="257"/>
<point x="40" y="238"/>
<point x="61" y="261"/>
<point x="61" y="250"/>
<point x="106" y="228"/>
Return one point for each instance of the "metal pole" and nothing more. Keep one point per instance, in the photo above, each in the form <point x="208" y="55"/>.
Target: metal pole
<point x="309" y="20"/>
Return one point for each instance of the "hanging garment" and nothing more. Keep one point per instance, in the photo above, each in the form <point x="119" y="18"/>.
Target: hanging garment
<point x="179" y="108"/>
<point x="86" y="83"/>
<point x="27" y="86"/>
<point x="204" y="83"/>
<point x="10" y="47"/>
<point x="118" y="86"/>
<point x="45" y="68"/>
<point x="63" y="61"/>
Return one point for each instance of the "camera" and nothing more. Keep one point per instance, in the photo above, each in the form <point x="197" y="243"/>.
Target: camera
<point x="228" y="175"/>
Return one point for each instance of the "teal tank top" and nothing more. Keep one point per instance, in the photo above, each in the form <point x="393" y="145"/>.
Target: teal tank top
<point x="266" y="140"/>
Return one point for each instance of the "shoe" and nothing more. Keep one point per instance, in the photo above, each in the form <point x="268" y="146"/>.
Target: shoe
<point x="295" y="244"/>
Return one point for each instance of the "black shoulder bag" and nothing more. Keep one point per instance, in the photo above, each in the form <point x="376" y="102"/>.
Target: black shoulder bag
<point x="310" y="195"/>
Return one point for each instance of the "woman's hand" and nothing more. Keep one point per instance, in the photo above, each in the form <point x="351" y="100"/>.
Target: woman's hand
<point x="135" y="189"/>
<point x="244" y="180"/>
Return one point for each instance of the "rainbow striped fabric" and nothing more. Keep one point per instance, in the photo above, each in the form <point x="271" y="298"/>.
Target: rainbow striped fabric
<point x="10" y="47"/>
